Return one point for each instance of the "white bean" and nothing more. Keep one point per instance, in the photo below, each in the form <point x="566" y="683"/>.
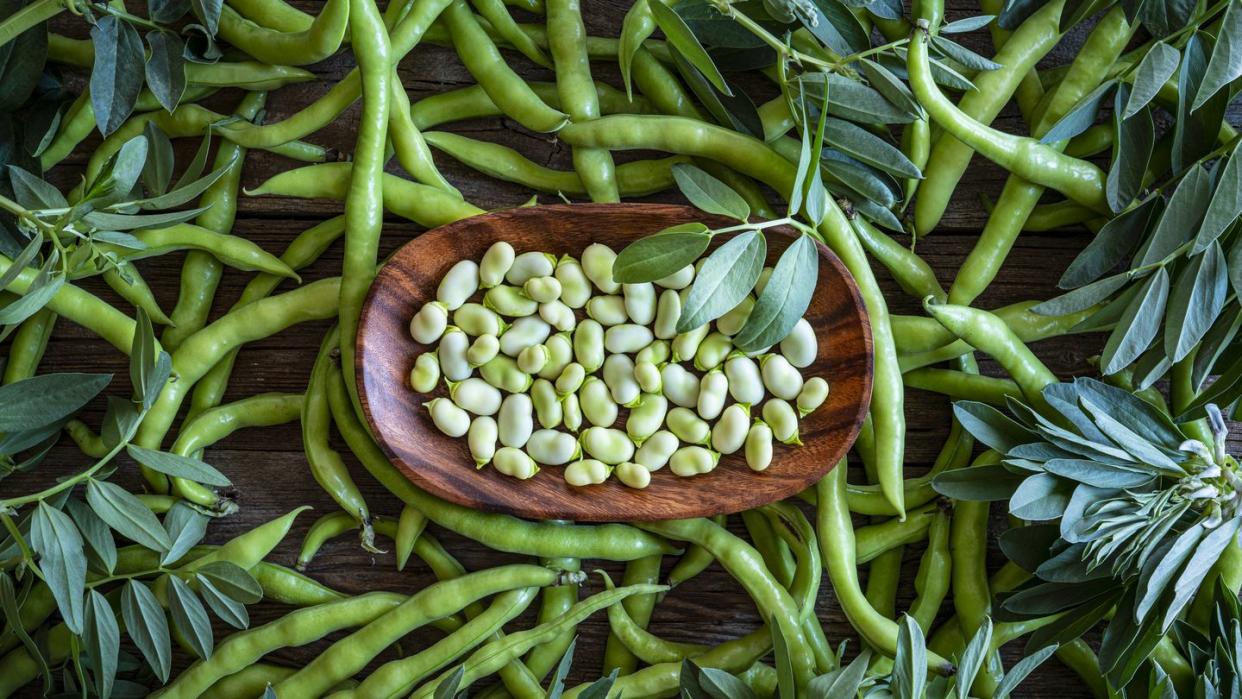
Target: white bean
<point x="426" y="373"/>
<point x="571" y="379"/>
<point x="713" y="389"/>
<point x="597" y="404"/>
<point x="477" y="320"/>
<point x="655" y="452"/>
<point x="452" y="355"/>
<point x="762" y="282"/>
<point x="575" y="287"/>
<point x="780" y="377"/>
<point x="712" y="351"/>
<point x="679" y="279"/>
<point x="597" y="261"/>
<point x="523" y="333"/>
<point x="633" y="474"/>
<point x="429" y="323"/>
<point x="515" y="463"/>
<point x="552" y="447"/>
<point x="448" y="418"/>
<point x="509" y="301"/>
<point x="693" y="461"/>
<point x="496" y="262"/>
<point x="800" y="346"/>
<point x="658" y="352"/>
<point x="532" y="359"/>
<point x="560" y="354"/>
<point x="572" y="410"/>
<point x="781" y="417"/>
<point x="482" y="439"/>
<point x="646" y="418"/>
<point x="745" y="381"/>
<point x="814" y="393"/>
<point x="482" y="350"/>
<point x="529" y="265"/>
<point x="688" y="427"/>
<point x="668" y="312"/>
<point x="648" y="377"/>
<point x="458" y="285"/>
<point x="627" y="338"/>
<point x="681" y="387"/>
<point x="759" y="446"/>
<point x="587" y="472"/>
<point x="516" y="420"/>
<point x="731" y="323"/>
<point x="686" y="344"/>
<point x="589" y="345"/>
<point x="607" y="310"/>
<point x="503" y="373"/>
<point x="542" y="289"/>
<point x="558" y="315"/>
<point x="608" y="445"/>
<point x="547" y="404"/>
<point x="475" y="395"/>
<point x="640" y="302"/>
<point x="619" y="375"/>
<point x="729" y="432"/>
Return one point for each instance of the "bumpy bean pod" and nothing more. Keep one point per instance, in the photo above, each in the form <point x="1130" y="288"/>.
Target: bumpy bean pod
<point x="640" y="302"/>
<point x="745" y="381"/>
<point x="693" y="461"/>
<point x="547" y="403"/>
<point x="713" y="389"/>
<point x="458" y="285"/>
<point x="542" y="289"/>
<point x="558" y="315"/>
<point x="668" y="312"/>
<point x="646" y="418"/>
<point x="429" y="323"/>
<point x="688" y="427"/>
<point x="525" y="332"/>
<point x="597" y="404"/>
<point x="575" y="287"/>
<point x="813" y="394"/>
<point x="648" y="377"/>
<point x="800" y="347"/>
<point x="448" y="418"/>
<point x="656" y="451"/>
<point x="529" y="265"/>
<point x="552" y="447"/>
<point x="589" y="345"/>
<point x="608" y="445"/>
<point x="607" y="310"/>
<point x="587" y="472"/>
<point x="496" y="263"/>
<point x="678" y="280"/>
<point x="729" y="432"/>
<point x="597" y="261"/>
<point x="633" y="474"/>
<point x="515" y="463"/>
<point x="571" y="379"/>
<point x="482" y="350"/>
<point x="477" y="320"/>
<point x="532" y="359"/>
<point x="780" y="377"/>
<point x="516" y="420"/>
<point x="426" y="373"/>
<point x="503" y="373"/>
<point x="509" y="301"/>
<point x="482" y="439"/>
<point x="780" y="416"/>
<point x="627" y="338"/>
<point x="759" y="446"/>
<point x="681" y="387"/>
<point x="731" y="323"/>
<point x="619" y="375"/>
<point x="452" y="354"/>
<point x="560" y="354"/>
<point x="571" y="408"/>
<point x="686" y="345"/>
<point x="475" y="395"/>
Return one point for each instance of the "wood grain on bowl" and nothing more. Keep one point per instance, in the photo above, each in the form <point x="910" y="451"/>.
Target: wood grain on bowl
<point x="443" y="466"/>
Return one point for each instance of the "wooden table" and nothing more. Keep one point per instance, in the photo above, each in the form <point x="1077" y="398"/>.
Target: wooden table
<point x="268" y="466"/>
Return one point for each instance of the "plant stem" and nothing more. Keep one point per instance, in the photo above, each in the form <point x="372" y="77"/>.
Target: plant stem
<point x="14" y="503"/>
<point x="29" y="17"/>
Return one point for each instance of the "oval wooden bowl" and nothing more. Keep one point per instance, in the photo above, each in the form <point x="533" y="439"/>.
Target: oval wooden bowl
<point x="443" y="466"/>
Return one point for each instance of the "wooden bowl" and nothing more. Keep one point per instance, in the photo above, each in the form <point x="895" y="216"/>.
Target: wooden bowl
<point x="443" y="466"/>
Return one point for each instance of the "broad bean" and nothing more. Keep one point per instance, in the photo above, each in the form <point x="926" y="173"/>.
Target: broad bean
<point x="646" y="418"/>
<point x="627" y="338"/>
<point x="597" y="404"/>
<point x="655" y="452"/>
<point x="813" y="394"/>
<point x="514" y="462"/>
<point x="529" y="265"/>
<point x="496" y="263"/>
<point x="619" y="375"/>
<point x="542" y="289"/>
<point x="558" y="315"/>
<point x="686" y="345"/>
<point x="759" y="446"/>
<point x="533" y="359"/>
<point x="729" y="432"/>
<point x="452" y="354"/>
<point x="482" y="439"/>
<point x="475" y="395"/>
<point x="503" y="373"/>
<point x="780" y="377"/>
<point x="570" y="379"/>
<point x="477" y="320"/>
<point x="607" y="310"/>
<point x="712" y="351"/>
<point x="781" y="417"/>
<point x="516" y="420"/>
<point x="713" y="389"/>
<point x="800" y="347"/>
<point x="668" y="312"/>
<point x="552" y="447"/>
<point x="688" y="427"/>
<point x="560" y="354"/>
<point x="525" y="332"/>
<point x="509" y="301"/>
<point x="458" y="285"/>
<point x="547" y="404"/>
<point x="482" y="350"/>
<point x="640" y="302"/>
<point x="693" y="461"/>
<point x="575" y="287"/>
<point x="648" y="377"/>
<point x="597" y="261"/>
<point x="426" y="373"/>
<point x="731" y="323"/>
<point x="571" y="408"/>
<point x="448" y="418"/>
<point x="681" y="387"/>
<point x="657" y="353"/>
<point x="745" y="381"/>
<point x="429" y="323"/>
<point x="678" y="280"/>
<point x="606" y="444"/>
<point x="632" y="474"/>
<point x="589" y="345"/>
<point x="587" y="472"/>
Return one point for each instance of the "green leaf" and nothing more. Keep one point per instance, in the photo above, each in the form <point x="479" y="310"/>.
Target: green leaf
<point x="865" y="180"/>
<point x="972" y="659"/>
<point x="142" y="358"/>
<point x="865" y="146"/>
<point x="1132" y="148"/>
<point x="1217" y="340"/>
<point x="1235" y="267"/>
<point x="167" y="11"/>
<point x="165" y="68"/>
<point x="851" y="100"/>
<point x="1225" y="65"/>
<point x="232" y="580"/>
<point x="805" y="164"/>
<point x="636" y="26"/>
<point x="734" y="109"/>
<point x="682" y="39"/>
<point x="1152" y="586"/>
<point x="447" y="688"/>
<point x="146" y="624"/>
<point x="1195" y="130"/>
<point x="228" y="609"/>
<point x="728" y="276"/>
<point x="36" y="297"/>
<point x="835" y="26"/>
<point x="120" y="421"/>
<point x="990" y="426"/>
<point x="1206" y="554"/>
<point x="963" y="55"/>
<point x="1021" y="670"/>
<point x="786" y="684"/>
<point x="977" y="483"/>
<point x="186" y="527"/>
<point x="1138" y="325"/>
<point x="46" y="399"/>
<point x="722" y="685"/>
<point x="129" y="222"/>
<point x="660" y="254"/>
<point x="1181" y="217"/>
<point x="890" y="86"/>
<point x="62" y="560"/>
<point x="785" y="298"/>
<point x="910" y="662"/>
<point x="1196" y="302"/>
<point x="1081" y="117"/>
<point x="117" y="75"/>
<point x="13" y="620"/>
<point x="158" y="170"/>
<point x="22" y="62"/>
<point x="124" y="240"/>
<point x="178" y="466"/>
<point x="1164" y="18"/>
<point x="208" y="12"/>
<point x="968" y="24"/>
<point x="190" y="617"/>
<point x="1116" y="241"/>
<point x="556" y="687"/>
<point x="1082" y="298"/>
<point x="22" y="260"/>
<point x="102" y="642"/>
<point x="600" y="688"/>
<point x="117" y="179"/>
<point x="34" y="193"/>
<point x="708" y="193"/>
<point x="96" y="533"/>
<point x="1153" y="72"/>
<point x="126" y="514"/>
<point x="845" y="682"/>
<point x="1226" y="204"/>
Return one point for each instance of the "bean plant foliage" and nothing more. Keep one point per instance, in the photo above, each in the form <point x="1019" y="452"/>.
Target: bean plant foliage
<point x="65" y="547"/>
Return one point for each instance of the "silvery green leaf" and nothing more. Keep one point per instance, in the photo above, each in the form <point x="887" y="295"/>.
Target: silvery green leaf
<point x="1083" y="297"/>
<point x="94" y="531"/>
<point x="977" y="483"/>
<point x="208" y="12"/>
<point x="688" y="680"/>
<point x="120" y="422"/>
<point x="1138" y="326"/>
<point x="868" y="148"/>
<point x="124" y="240"/>
<point x="129" y="222"/>
<point x="1215" y="343"/>
<point x="447" y="688"/>
<point x="711" y="26"/>
<point x="22" y="260"/>
<point x="890" y="86"/>
<point x="800" y="174"/>
<point x="1152" y="586"/>
<point x="557" y="685"/>
<point x="1081" y="117"/>
<point x="228" y="609"/>
<point x="873" y="184"/>
<point x="1019" y="672"/>
<point x="233" y="581"/>
<point x="47" y="398"/>
<point x="1164" y="18"/>
<point x="727" y="277"/>
<point x="1073" y="624"/>
<point x="118" y="178"/>
<point x="1181" y="217"/>
<point x="1195" y="302"/>
<point x="1109" y="313"/>
<point x="198" y="164"/>
<point x="884" y="9"/>
<point x="1142" y="450"/>
<point x="101" y="639"/>
<point x="1028" y="546"/>
<point x="165" y="68"/>
<point x="600" y="688"/>
<point x="722" y="685"/>
<point x="12" y="616"/>
<point x="190" y="617"/>
<point x="1132" y="150"/>
<point x="142" y="359"/>
<point x="62" y="560"/>
<point x="1096" y="474"/>
<point x="1206" y="554"/>
<point x="1078" y="10"/>
<point x="1225" y="65"/>
<point x="1226" y="204"/>
<point x="1047" y="598"/>
<point x="990" y="426"/>
<point x="963" y="55"/>
<point x="1063" y="397"/>
<point x="33" y="192"/>
<point x="1014" y="12"/>
<point x="1040" y="498"/>
<point x="852" y="100"/>
<point x="845" y="682"/>
<point x="178" y="466"/>
<point x="708" y="193"/>
<point x="38" y="296"/>
<point x="116" y="77"/>
<point x="661" y="254"/>
<point x="1235" y="267"/>
<point x="682" y="39"/>
<point x="1157" y="66"/>
<point x="186" y="527"/>
<point x="910" y="662"/>
<point x="968" y="24"/>
<point x="126" y="514"/>
<point x="785" y="298"/>
<point x="1068" y="566"/>
<point x="972" y="659"/>
<point x="734" y="109"/>
<point x="1195" y="130"/>
<point x="837" y="27"/>
<point x="1113" y="244"/>
<point x="147" y="626"/>
<point x="876" y="214"/>
<point x="158" y="170"/>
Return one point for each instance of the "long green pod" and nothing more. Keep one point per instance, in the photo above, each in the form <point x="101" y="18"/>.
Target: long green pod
<point x="317" y="42"/>
<point x="233" y="251"/>
<point x="127" y="282"/>
<point x="29" y="344"/>
<point x="472" y="102"/>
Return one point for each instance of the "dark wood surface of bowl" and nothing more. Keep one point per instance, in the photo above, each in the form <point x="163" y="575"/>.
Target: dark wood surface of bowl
<point x="443" y="466"/>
